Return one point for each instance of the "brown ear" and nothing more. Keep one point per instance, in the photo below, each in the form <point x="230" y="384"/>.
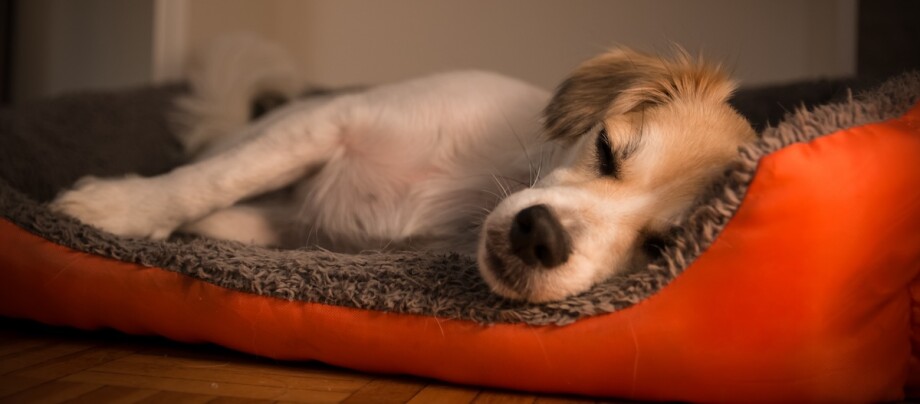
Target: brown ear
<point x="581" y="101"/>
<point x="622" y="81"/>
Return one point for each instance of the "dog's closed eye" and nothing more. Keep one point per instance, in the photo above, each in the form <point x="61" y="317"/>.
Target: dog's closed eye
<point x="607" y="163"/>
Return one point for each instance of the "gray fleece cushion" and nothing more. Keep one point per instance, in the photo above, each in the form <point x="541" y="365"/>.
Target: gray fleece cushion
<point x="46" y="146"/>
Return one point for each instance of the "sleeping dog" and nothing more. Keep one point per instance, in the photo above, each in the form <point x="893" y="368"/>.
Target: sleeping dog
<point x="463" y="161"/>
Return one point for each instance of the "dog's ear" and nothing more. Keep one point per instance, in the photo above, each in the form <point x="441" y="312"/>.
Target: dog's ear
<point x="622" y="81"/>
<point x="582" y="100"/>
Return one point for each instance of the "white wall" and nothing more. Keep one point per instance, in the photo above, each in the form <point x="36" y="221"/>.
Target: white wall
<point x="344" y="42"/>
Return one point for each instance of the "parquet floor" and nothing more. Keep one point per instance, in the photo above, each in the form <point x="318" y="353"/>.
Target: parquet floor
<point x="42" y="364"/>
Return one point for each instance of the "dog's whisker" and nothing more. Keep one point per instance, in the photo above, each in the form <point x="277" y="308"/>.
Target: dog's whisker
<point x="540" y="167"/>
<point x="520" y="142"/>
<point x="493" y="194"/>
<point x="390" y="242"/>
<point x="309" y="234"/>
<point x="514" y="180"/>
<point x="504" y="190"/>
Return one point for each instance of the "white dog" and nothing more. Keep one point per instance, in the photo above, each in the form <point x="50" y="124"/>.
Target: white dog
<point x="458" y="161"/>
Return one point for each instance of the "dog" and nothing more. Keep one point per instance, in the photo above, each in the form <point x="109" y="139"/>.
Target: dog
<point x="552" y="193"/>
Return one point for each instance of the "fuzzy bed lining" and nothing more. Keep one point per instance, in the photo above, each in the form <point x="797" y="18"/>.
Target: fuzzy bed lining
<point x="443" y="285"/>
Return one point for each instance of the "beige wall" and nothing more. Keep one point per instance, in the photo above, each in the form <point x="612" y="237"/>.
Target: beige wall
<point x="105" y="43"/>
<point x="366" y="41"/>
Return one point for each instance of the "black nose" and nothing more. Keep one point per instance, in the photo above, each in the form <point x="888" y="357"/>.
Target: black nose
<point x="536" y="236"/>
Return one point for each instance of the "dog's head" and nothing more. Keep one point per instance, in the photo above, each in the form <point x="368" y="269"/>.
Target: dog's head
<point x="640" y="138"/>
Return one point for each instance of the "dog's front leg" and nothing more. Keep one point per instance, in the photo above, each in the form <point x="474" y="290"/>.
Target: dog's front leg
<point x="156" y="206"/>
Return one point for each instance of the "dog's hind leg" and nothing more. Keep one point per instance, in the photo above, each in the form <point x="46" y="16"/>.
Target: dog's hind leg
<point x="246" y="223"/>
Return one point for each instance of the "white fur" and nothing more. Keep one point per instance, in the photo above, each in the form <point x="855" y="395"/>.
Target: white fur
<point x="416" y="164"/>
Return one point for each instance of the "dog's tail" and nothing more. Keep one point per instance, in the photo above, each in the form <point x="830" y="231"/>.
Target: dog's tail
<point x="232" y="81"/>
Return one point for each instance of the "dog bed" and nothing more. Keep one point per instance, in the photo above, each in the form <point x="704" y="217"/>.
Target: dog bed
<point x="794" y="279"/>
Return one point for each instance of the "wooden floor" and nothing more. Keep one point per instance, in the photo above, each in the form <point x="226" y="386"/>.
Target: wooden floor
<point x="41" y="364"/>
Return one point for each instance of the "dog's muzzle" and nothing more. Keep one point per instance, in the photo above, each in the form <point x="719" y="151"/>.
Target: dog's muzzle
<point x="537" y="237"/>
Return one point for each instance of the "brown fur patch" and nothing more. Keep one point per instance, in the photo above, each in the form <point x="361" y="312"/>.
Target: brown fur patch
<point x="623" y="80"/>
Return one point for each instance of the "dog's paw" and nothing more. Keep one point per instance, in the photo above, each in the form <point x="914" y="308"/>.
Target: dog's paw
<point x="129" y="206"/>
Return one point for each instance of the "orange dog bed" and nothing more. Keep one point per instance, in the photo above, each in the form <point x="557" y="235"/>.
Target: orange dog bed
<point x="797" y="281"/>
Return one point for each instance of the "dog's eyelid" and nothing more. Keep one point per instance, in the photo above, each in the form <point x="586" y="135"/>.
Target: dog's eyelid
<point x="607" y="157"/>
